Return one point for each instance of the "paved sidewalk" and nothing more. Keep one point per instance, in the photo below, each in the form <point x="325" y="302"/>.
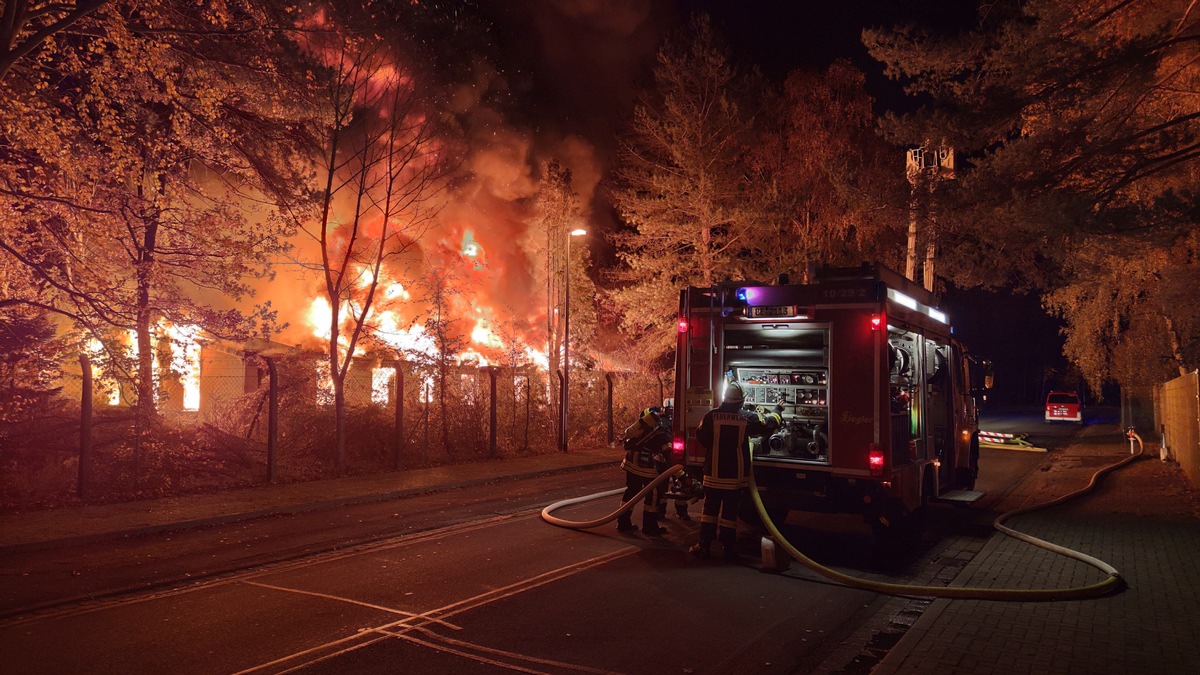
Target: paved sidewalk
<point x="1144" y="519"/>
<point x="82" y="524"/>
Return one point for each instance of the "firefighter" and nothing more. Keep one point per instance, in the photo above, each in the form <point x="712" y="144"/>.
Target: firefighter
<point x="725" y="433"/>
<point x="646" y="444"/>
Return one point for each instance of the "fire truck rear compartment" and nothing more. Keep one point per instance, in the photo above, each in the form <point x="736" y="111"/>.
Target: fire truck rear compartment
<point x="816" y="491"/>
<point x="788" y="366"/>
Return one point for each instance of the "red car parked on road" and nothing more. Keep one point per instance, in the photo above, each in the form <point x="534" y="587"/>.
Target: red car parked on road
<point x="1064" y="406"/>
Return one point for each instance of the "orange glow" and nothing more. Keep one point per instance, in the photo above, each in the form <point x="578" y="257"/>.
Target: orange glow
<point x="185" y="359"/>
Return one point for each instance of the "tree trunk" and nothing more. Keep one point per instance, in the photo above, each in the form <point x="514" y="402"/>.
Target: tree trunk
<point x="1176" y="350"/>
<point x="339" y="423"/>
<point x="145" y="350"/>
<point x="444" y="375"/>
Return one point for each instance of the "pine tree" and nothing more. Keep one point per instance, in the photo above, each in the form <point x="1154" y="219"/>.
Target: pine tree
<point x="1080" y="119"/>
<point x="680" y="187"/>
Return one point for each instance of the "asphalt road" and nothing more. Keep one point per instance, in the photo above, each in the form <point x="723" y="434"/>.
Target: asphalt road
<point x="468" y="581"/>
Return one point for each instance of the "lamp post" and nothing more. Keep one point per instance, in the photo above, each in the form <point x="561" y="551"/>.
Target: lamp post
<point x="566" y="385"/>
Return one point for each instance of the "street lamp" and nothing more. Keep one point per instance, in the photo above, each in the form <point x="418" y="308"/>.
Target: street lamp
<point x="566" y="388"/>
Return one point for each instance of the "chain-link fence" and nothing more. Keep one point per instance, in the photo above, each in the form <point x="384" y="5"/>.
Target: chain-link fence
<point x="213" y="433"/>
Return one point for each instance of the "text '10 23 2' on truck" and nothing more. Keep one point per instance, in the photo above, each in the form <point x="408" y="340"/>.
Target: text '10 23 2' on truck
<point x="879" y="411"/>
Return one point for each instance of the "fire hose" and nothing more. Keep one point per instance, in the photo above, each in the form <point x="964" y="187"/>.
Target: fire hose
<point x="1111" y="583"/>
<point x="597" y="522"/>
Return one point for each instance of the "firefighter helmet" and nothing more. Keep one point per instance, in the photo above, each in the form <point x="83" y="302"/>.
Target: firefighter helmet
<point x="734" y="393"/>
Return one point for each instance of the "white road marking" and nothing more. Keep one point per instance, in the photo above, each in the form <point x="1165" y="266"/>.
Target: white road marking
<point x="338" y="598"/>
<point x="436" y="615"/>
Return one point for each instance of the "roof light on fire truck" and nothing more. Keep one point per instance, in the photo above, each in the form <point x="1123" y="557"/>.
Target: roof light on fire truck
<point x="741" y="294"/>
<point x="901" y="299"/>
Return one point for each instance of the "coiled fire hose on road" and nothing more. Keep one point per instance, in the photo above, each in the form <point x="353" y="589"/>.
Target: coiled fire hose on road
<point x="1112" y="583"/>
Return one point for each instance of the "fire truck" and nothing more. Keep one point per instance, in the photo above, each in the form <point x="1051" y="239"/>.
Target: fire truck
<point x="878" y="399"/>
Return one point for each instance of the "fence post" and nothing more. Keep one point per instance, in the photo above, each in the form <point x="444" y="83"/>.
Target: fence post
<point x="562" y="413"/>
<point x="609" y="378"/>
<point x="399" y="442"/>
<point x="491" y="370"/>
<point x="83" y="486"/>
<point x="528" y="405"/>
<point x="272" y="419"/>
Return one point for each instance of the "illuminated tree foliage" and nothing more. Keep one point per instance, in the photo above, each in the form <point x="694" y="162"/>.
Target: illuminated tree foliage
<point x="25" y="27"/>
<point x="832" y="190"/>
<point x="1081" y="120"/>
<point x="147" y="149"/>
<point x="680" y="185"/>
<point x="722" y="177"/>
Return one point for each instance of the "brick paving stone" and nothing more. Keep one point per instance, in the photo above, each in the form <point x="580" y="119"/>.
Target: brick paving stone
<point x="1145" y="521"/>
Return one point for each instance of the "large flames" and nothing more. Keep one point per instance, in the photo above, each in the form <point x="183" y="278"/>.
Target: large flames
<point x="182" y="362"/>
<point x="396" y="327"/>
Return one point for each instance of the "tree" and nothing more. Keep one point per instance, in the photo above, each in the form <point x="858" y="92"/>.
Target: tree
<point x="828" y="184"/>
<point x="558" y="213"/>
<point x="679" y="185"/>
<point x="26" y="26"/>
<point x="439" y="292"/>
<point x="1080" y="120"/>
<point x="383" y="165"/>
<point x="144" y="157"/>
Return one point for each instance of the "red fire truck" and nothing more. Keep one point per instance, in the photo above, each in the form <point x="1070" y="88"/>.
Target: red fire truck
<point x="879" y="411"/>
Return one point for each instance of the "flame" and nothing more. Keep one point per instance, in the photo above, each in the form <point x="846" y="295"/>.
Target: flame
<point x="320" y="314"/>
<point x="482" y="334"/>
<point x="381" y="385"/>
<point x="469" y="355"/>
<point x="324" y="383"/>
<point x="537" y="358"/>
<point x="185" y="358"/>
<point x="396" y="291"/>
<point x="414" y="339"/>
<point x="95" y="349"/>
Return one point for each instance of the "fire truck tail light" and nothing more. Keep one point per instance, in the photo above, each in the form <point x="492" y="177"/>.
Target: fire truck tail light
<point x="677" y="448"/>
<point x="876" y="322"/>
<point x="875" y="461"/>
<point x="683" y="325"/>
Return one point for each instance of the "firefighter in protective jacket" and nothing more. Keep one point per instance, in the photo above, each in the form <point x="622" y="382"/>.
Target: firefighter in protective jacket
<point x="646" y="444"/>
<point x="725" y="433"/>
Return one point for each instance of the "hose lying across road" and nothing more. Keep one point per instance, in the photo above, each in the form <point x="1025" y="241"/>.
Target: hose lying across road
<point x="587" y="524"/>
<point x="1112" y="583"/>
